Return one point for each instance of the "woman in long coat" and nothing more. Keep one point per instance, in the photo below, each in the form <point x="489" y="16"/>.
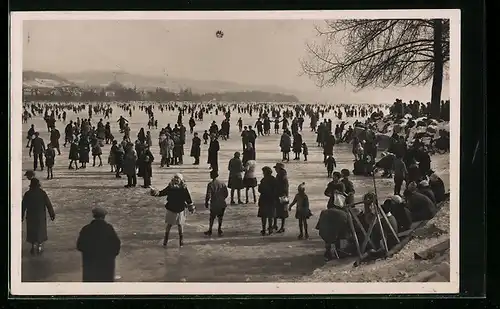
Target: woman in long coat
<point x="297" y="145"/>
<point x="196" y="149"/>
<point x="129" y="166"/>
<point x="267" y="200"/>
<point x="213" y="153"/>
<point x="282" y="189"/>
<point x="145" y="169"/>
<point x="99" y="245"/>
<point x="84" y="149"/>
<point x="35" y="206"/>
<point x="285" y="145"/>
<point x="235" y="182"/>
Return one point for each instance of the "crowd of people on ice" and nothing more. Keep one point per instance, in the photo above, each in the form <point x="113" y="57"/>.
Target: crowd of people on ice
<point x="409" y="163"/>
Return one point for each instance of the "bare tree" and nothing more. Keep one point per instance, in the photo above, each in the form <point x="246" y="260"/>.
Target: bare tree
<point x="381" y="53"/>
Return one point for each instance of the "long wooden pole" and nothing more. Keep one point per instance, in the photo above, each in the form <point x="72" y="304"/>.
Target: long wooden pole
<point x="377" y="210"/>
<point x="353" y="230"/>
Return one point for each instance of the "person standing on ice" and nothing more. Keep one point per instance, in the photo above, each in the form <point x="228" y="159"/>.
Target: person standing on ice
<point x="215" y="199"/>
<point x="178" y="201"/>
<point x="35" y="205"/>
<point x="99" y="245"/>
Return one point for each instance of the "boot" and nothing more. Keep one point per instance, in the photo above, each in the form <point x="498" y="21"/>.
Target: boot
<point x="181" y="240"/>
<point x="165" y="240"/>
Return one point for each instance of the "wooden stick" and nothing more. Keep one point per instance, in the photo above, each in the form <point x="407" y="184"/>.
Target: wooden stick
<point x="351" y="225"/>
<point x="367" y="238"/>
<point x="377" y="210"/>
<point x="386" y="248"/>
<point x="389" y="224"/>
<point x="361" y="227"/>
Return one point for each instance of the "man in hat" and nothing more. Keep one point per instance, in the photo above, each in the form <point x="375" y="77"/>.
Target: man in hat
<point x="216" y="195"/>
<point x="30" y="174"/>
<point x="37" y="148"/>
<point x="99" y="245"/>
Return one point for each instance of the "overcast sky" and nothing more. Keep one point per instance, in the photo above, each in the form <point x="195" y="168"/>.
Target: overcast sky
<point x="251" y="52"/>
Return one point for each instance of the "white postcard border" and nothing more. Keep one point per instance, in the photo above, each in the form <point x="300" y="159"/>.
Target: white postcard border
<point x="19" y="288"/>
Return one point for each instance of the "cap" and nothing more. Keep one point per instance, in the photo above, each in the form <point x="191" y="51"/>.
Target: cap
<point x="279" y="165"/>
<point x="99" y="212"/>
<point x="29" y="173"/>
<point x="396" y="199"/>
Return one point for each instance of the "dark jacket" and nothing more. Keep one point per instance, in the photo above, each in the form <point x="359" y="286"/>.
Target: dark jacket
<point x="178" y="197"/>
<point x="37" y="146"/>
<point x="99" y="245"/>
<point x="427" y="191"/>
<point x="421" y="207"/>
<point x="213" y="152"/>
<point x="35" y="205"/>
<point x="437" y="187"/>
<point x="145" y="161"/>
<point x="196" y="147"/>
<point x="268" y="197"/>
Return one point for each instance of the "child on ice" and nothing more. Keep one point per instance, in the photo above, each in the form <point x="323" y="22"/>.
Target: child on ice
<point x="302" y="212"/>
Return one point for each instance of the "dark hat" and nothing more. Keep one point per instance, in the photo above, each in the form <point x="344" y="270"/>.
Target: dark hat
<point x="99" y="212"/>
<point x="34" y="183"/>
<point x="29" y="173"/>
<point x="267" y="169"/>
<point x="279" y="165"/>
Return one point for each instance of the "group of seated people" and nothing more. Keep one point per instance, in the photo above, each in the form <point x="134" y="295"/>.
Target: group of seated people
<point x="418" y="203"/>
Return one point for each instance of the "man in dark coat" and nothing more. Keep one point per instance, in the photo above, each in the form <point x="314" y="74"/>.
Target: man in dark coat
<point x="99" y="245"/>
<point x="54" y="140"/>
<point x="196" y="149"/>
<point x="213" y="153"/>
<point x="328" y="145"/>
<point x="37" y="148"/>
<point x="421" y="207"/>
<point x="35" y="205"/>
<point x="215" y="199"/>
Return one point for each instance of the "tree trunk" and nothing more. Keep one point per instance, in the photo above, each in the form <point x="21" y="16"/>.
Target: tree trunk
<point x="437" y="80"/>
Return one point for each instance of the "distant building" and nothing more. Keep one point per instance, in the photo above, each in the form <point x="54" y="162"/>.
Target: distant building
<point x="110" y="93"/>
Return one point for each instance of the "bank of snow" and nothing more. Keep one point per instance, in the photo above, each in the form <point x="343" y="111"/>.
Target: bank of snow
<point x="400" y="267"/>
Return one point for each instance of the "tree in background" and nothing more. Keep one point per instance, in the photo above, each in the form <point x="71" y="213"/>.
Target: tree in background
<point x="381" y="53"/>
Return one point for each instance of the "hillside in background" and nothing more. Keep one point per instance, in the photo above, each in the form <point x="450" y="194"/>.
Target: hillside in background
<point x="36" y="79"/>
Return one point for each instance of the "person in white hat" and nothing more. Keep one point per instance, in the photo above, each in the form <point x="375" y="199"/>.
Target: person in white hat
<point x="425" y="189"/>
<point x="178" y="200"/>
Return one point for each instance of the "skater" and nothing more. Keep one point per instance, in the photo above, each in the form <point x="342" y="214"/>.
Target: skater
<point x="37" y="148"/>
<point x="178" y="200"/>
<point x="249" y="180"/>
<point x="146" y="160"/>
<point x="99" y="245"/>
<point x="330" y="165"/>
<point x="302" y="212"/>
<point x="96" y="151"/>
<point x="282" y="191"/>
<point x="216" y="197"/>
<point x="235" y="183"/>
<point x="267" y="200"/>
<point x="35" y="205"/>
<point x="196" y="149"/>
<point x="305" y="151"/>
<point x="50" y="155"/>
